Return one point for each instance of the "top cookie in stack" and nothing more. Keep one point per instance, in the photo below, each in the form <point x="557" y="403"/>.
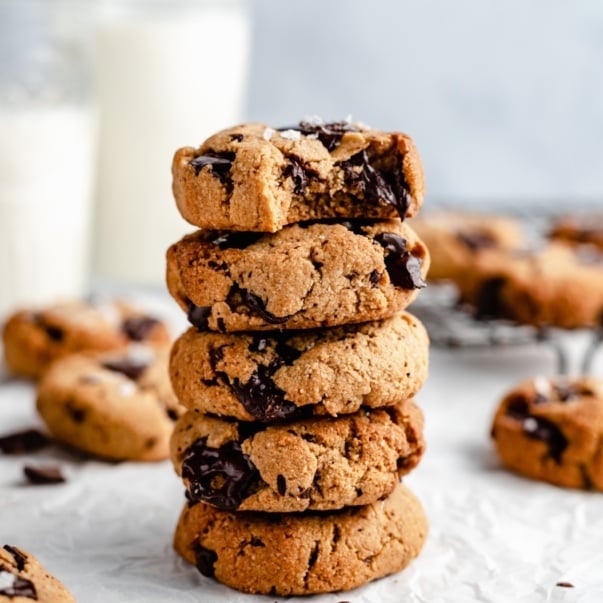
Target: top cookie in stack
<point x="302" y="227"/>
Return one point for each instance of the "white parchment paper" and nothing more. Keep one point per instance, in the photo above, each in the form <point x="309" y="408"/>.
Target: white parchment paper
<point x="494" y="537"/>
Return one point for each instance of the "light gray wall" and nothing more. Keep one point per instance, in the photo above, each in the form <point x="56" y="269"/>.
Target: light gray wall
<point x="504" y="98"/>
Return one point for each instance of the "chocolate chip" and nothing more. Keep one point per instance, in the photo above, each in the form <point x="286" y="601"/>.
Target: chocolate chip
<point x="236" y="137"/>
<point x="374" y="277"/>
<point x="476" y="239"/>
<point x="198" y="316"/>
<point x="172" y="414"/>
<point x="204" y="560"/>
<point x="50" y="474"/>
<point x="220" y="164"/>
<point x="281" y="484"/>
<point x="236" y="240"/>
<point x="254" y="303"/>
<point x="54" y="333"/>
<point x="329" y="134"/>
<point x="19" y="557"/>
<point x="138" y="328"/>
<point x="257" y="542"/>
<point x="21" y="587"/>
<point x="404" y="269"/>
<point x="295" y="169"/>
<point x="23" y="441"/>
<point x="77" y="414"/>
<point x="130" y="368"/>
<point x="222" y="477"/>
<point x="377" y="186"/>
<point x="488" y="299"/>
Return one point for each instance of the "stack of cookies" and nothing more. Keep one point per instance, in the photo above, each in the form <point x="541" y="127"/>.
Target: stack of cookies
<point x="301" y="365"/>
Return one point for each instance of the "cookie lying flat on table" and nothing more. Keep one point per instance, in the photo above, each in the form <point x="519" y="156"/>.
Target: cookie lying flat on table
<point x="455" y="238"/>
<point x="317" y="464"/>
<point x="302" y="554"/>
<point x="305" y="276"/>
<point x="33" y="339"/>
<point x="273" y="376"/>
<point x="552" y="430"/>
<point x="118" y="405"/>
<point x="558" y="286"/>
<point x="579" y="229"/>
<point x="22" y="578"/>
<point x="253" y="177"/>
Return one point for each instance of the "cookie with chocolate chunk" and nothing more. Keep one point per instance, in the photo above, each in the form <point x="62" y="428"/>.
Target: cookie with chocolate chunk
<point x="118" y="405"/>
<point x="23" y="578"/>
<point x="306" y="275"/>
<point x="455" y="239"/>
<point x="273" y="376"/>
<point x="556" y="286"/>
<point x="303" y="554"/>
<point x="34" y="338"/>
<point x="551" y="430"/>
<point x="317" y="464"/>
<point x="253" y="177"/>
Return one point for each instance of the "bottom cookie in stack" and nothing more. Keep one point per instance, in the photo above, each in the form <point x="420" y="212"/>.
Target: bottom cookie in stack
<point x="302" y="554"/>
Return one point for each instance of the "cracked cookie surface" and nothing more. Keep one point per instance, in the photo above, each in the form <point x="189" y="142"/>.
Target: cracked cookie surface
<point x="318" y="464"/>
<point x="253" y="177"/>
<point x="35" y="338"/>
<point x="552" y="430"/>
<point x="302" y="554"/>
<point x="305" y="276"/>
<point x="24" y="579"/>
<point x="274" y="376"/>
<point x="118" y="405"/>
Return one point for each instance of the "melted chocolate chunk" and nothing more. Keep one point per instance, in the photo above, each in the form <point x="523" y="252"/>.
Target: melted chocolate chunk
<point x="298" y="174"/>
<point x="54" y="333"/>
<point x="236" y="240"/>
<point x="374" y="277"/>
<point x="281" y="484"/>
<point x="198" y="316"/>
<point x="77" y="414"/>
<point x="21" y="587"/>
<point x="377" y="186"/>
<point x="476" y="239"/>
<point x="23" y="441"/>
<point x="538" y="428"/>
<point x="19" y="557"/>
<point x="329" y="134"/>
<point x="49" y="474"/>
<point x="404" y="269"/>
<point x="254" y="303"/>
<point x="204" y="560"/>
<point x="488" y="300"/>
<point x="222" y="477"/>
<point x="129" y="368"/>
<point x="138" y="328"/>
<point x="220" y="164"/>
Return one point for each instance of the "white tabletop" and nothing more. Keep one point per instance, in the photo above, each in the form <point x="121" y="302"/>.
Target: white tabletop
<point x="494" y="537"/>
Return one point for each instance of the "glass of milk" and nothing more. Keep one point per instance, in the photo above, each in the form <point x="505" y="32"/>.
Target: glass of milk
<point x="169" y="73"/>
<point x="47" y="146"/>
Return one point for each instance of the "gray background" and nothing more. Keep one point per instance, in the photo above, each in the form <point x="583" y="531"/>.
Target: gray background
<point x="504" y="99"/>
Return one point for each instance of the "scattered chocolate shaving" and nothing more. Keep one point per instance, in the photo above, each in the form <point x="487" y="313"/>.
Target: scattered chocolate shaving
<point x="23" y="441"/>
<point x="49" y="474"/>
<point x="565" y="584"/>
<point x="138" y="328"/>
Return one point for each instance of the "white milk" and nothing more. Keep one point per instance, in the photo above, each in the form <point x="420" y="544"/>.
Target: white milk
<point x="163" y="83"/>
<point x="46" y="160"/>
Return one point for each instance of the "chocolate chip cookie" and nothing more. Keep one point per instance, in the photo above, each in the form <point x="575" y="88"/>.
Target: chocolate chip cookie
<point x="22" y="578"/>
<point x="253" y="177"/>
<point x="552" y="430"/>
<point x="302" y="554"/>
<point x="559" y="286"/>
<point x="118" y="405"/>
<point x="33" y="339"/>
<point x="273" y="376"/>
<point x="455" y="238"/>
<point x="304" y="276"/>
<point x="317" y="464"/>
